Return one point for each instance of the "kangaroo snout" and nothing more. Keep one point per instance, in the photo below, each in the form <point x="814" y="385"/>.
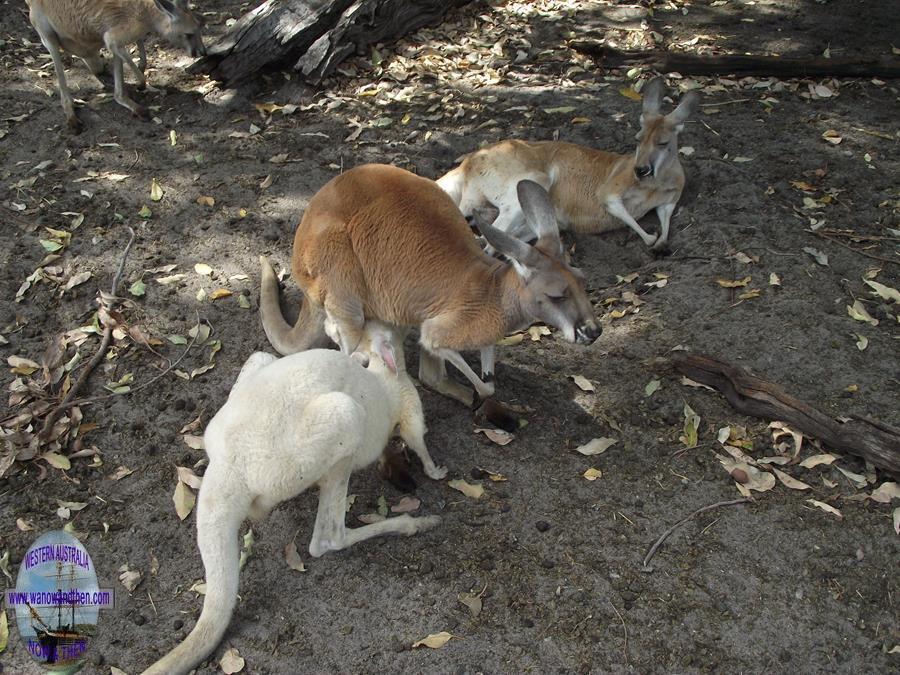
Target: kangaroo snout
<point x="643" y="171"/>
<point x="587" y="333"/>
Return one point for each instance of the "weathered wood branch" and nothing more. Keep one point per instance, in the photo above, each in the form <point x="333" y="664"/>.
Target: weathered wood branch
<point x="741" y="64"/>
<point x="313" y="36"/>
<point x="754" y="396"/>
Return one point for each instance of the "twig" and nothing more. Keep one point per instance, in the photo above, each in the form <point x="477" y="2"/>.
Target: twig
<point x="721" y="103"/>
<point x="111" y="302"/>
<point x="855" y="250"/>
<point x="665" y="535"/>
<point x="624" y="629"/>
<point x="144" y="385"/>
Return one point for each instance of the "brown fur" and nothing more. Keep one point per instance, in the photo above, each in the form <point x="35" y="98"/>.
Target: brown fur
<point x="380" y="242"/>
<point x="592" y="191"/>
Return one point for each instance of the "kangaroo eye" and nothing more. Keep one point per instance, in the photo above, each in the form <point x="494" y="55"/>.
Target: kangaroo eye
<point x="663" y="144"/>
<point x="557" y="298"/>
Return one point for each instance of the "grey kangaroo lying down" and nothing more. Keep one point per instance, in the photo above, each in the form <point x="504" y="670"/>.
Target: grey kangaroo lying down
<point x="307" y="419"/>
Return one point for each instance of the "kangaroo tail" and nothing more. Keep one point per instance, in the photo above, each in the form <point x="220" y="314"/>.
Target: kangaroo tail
<point x="307" y="333"/>
<point x="220" y="512"/>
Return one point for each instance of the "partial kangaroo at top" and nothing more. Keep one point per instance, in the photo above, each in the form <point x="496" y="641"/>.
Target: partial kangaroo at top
<point x="592" y="190"/>
<point x="82" y="27"/>
<point x="378" y="242"/>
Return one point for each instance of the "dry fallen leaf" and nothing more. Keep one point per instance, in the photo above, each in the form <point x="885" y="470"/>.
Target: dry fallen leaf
<point x="292" y="558"/>
<point x="472" y="601"/>
<point x="582" y="382"/>
<point x="592" y="474"/>
<point x="819" y="256"/>
<point x="232" y="662"/>
<point x="536" y="332"/>
<point x="510" y="340"/>
<point x="884" y="494"/>
<point x="406" y="504"/>
<point x="203" y="268"/>
<point x="832" y="136"/>
<point x="734" y="283"/>
<point x="434" y="641"/>
<point x="498" y="436"/>
<point x="884" y="292"/>
<point x="120" y="473"/>
<point x="130" y="578"/>
<point x="749" y="477"/>
<point x="790" y="481"/>
<point x="652" y="386"/>
<point x="826" y="507"/>
<point x="469" y="490"/>
<point x="184" y="500"/>
<point x="816" y="460"/>
<point x="857" y="480"/>
<point x="188" y="477"/>
<point x="219" y="293"/>
<point x="193" y="441"/>
<point x="596" y="446"/>
<point x="858" y="311"/>
<point x="691" y="424"/>
<point x="156" y="191"/>
<point x="896" y="518"/>
<point x="206" y="200"/>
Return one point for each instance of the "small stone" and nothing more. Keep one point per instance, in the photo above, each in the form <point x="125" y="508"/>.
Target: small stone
<point x="179" y="404"/>
<point x="548" y="563"/>
<point x="177" y="624"/>
<point x="426" y="567"/>
<point x="542" y="525"/>
<point x="139" y="620"/>
<point x="527" y="623"/>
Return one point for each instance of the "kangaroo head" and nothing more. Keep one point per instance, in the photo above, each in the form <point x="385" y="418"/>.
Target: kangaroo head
<point x="380" y="340"/>
<point x="658" y="137"/>
<point x="551" y="290"/>
<point x="180" y="26"/>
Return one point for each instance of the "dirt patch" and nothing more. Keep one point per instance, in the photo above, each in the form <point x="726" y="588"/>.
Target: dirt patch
<point x="778" y="584"/>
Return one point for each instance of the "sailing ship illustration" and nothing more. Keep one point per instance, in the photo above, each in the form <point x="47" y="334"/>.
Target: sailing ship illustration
<point x="61" y="644"/>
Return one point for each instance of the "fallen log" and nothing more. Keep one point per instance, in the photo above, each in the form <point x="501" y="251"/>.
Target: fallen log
<point x="312" y="36"/>
<point x="870" y="439"/>
<point x="741" y="64"/>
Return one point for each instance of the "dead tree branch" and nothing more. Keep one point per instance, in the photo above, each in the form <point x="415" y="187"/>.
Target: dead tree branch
<point x="740" y="64"/>
<point x="754" y="396"/>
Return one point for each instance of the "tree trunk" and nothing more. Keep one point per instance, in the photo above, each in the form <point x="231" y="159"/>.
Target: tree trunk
<point x="739" y="64"/>
<point x="313" y="36"/>
<point x="870" y="439"/>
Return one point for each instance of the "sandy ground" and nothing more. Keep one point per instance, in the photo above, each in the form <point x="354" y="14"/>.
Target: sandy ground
<point x="773" y="586"/>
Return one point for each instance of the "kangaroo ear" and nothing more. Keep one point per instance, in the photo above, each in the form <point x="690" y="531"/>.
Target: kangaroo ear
<point x="382" y="343"/>
<point x="652" y="96"/>
<point x="686" y="108"/>
<point x="165" y="6"/>
<point x="539" y="212"/>
<point x="386" y="352"/>
<point x="515" y="249"/>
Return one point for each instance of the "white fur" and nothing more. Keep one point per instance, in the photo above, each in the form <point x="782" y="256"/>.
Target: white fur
<point x="307" y="419"/>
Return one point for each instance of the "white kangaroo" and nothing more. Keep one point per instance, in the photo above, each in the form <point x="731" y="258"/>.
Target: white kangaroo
<point x="311" y="418"/>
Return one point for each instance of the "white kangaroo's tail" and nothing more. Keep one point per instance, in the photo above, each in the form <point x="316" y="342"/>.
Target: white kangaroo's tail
<point x="220" y="511"/>
<point x="307" y="333"/>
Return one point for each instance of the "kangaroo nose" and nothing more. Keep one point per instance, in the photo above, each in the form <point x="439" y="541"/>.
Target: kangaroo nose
<point x="643" y="171"/>
<point x="586" y="333"/>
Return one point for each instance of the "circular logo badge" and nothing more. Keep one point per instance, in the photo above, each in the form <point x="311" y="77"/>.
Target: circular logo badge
<point x="57" y="600"/>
